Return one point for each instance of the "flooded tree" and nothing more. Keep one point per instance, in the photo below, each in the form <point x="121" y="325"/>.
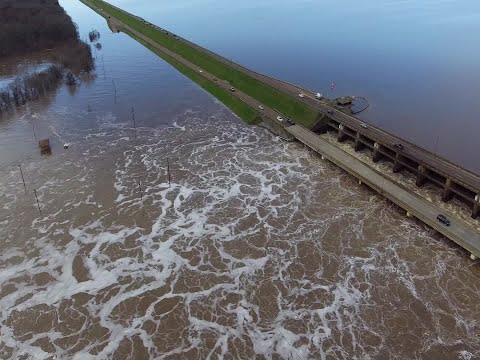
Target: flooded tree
<point x="76" y="58"/>
<point x="94" y="35"/>
<point x="70" y="79"/>
<point x="5" y="100"/>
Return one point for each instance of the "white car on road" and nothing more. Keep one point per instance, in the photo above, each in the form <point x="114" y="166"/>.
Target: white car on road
<point x="279" y="118"/>
<point x="302" y="95"/>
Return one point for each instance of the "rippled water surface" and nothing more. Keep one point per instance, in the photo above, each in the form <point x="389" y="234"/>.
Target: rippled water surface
<point x="256" y="249"/>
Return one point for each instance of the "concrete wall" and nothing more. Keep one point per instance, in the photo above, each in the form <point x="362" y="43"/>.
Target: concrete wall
<point x="400" y="160"/>
<point x="275" y="127"/>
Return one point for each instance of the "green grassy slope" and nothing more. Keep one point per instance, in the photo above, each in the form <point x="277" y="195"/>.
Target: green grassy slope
<point x="269" y="96"/>
<point x="241" y="109"/>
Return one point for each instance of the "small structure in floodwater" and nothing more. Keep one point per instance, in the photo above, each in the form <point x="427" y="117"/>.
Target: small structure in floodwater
<point x="44" y="146"/>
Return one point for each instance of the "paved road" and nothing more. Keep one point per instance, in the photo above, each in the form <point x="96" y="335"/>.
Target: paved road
<point x="461" y="176"/>
<point x="427" y="212"/>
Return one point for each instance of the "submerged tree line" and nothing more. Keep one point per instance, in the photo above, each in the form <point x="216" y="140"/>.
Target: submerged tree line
<point x="32" y="25"/>
<point x="30" y="88"/>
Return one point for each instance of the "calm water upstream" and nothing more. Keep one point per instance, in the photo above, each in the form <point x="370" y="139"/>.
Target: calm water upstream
<point x="257" y="249"/>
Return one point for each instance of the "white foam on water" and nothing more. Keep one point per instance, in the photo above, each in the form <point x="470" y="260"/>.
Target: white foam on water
<point x="253" y="238"/>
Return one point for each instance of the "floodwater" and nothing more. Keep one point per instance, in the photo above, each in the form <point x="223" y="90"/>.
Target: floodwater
<point x="255" y="249"/>
<point x="416" y="61"/>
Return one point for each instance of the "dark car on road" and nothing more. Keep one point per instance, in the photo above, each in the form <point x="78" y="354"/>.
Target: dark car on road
<point x="443" y="219"/>
<point x="398" y="146"/>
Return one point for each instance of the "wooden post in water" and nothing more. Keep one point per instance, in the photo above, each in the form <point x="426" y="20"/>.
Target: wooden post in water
<point x="168" y="172"/>
<point x="115" y="90"/>
<point x="134" y="123"/>
<point x="23" y="179"/>
<point x="103" y="65"/>
<point x="141" y="194"/>
<point x="38" y="204"/>
<point x="33" y="127"/>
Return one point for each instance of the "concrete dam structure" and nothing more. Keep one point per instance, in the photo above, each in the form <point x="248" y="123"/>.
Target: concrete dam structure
<point x="451" y="179"/>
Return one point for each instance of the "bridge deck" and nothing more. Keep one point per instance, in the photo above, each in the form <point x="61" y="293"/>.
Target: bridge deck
<point x="427" y="212"/>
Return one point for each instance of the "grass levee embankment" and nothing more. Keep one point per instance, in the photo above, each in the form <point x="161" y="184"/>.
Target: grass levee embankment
<point x="241" y="109"/>
<point x="264" y="93"/>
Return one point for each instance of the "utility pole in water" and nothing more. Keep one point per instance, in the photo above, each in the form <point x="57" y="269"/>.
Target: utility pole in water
<point x="38" y="204"/>
<point x="33" y="127"/>
<point x="141" y="193"/>
<point x="134" y="123"/>
<point x="115" y="90"/>
<point x="23" y="179"/>
<point x="168" y="172"/>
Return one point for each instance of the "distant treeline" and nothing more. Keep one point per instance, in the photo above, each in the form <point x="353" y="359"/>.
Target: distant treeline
<point x="34" y="25"/>
<point x="31" y="25"/>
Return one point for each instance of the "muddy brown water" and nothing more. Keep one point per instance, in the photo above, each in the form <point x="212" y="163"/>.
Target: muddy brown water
<point x="257" y="249"/>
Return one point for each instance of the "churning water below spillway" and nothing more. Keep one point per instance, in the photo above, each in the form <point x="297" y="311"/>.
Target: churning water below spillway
<point x="257" y="249"/>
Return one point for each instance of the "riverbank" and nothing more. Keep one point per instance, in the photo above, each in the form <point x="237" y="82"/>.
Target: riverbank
<point x="265" y="94"/>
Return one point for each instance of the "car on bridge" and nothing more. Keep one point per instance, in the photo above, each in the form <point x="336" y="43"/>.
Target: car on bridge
<point x="443" y="219"/>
